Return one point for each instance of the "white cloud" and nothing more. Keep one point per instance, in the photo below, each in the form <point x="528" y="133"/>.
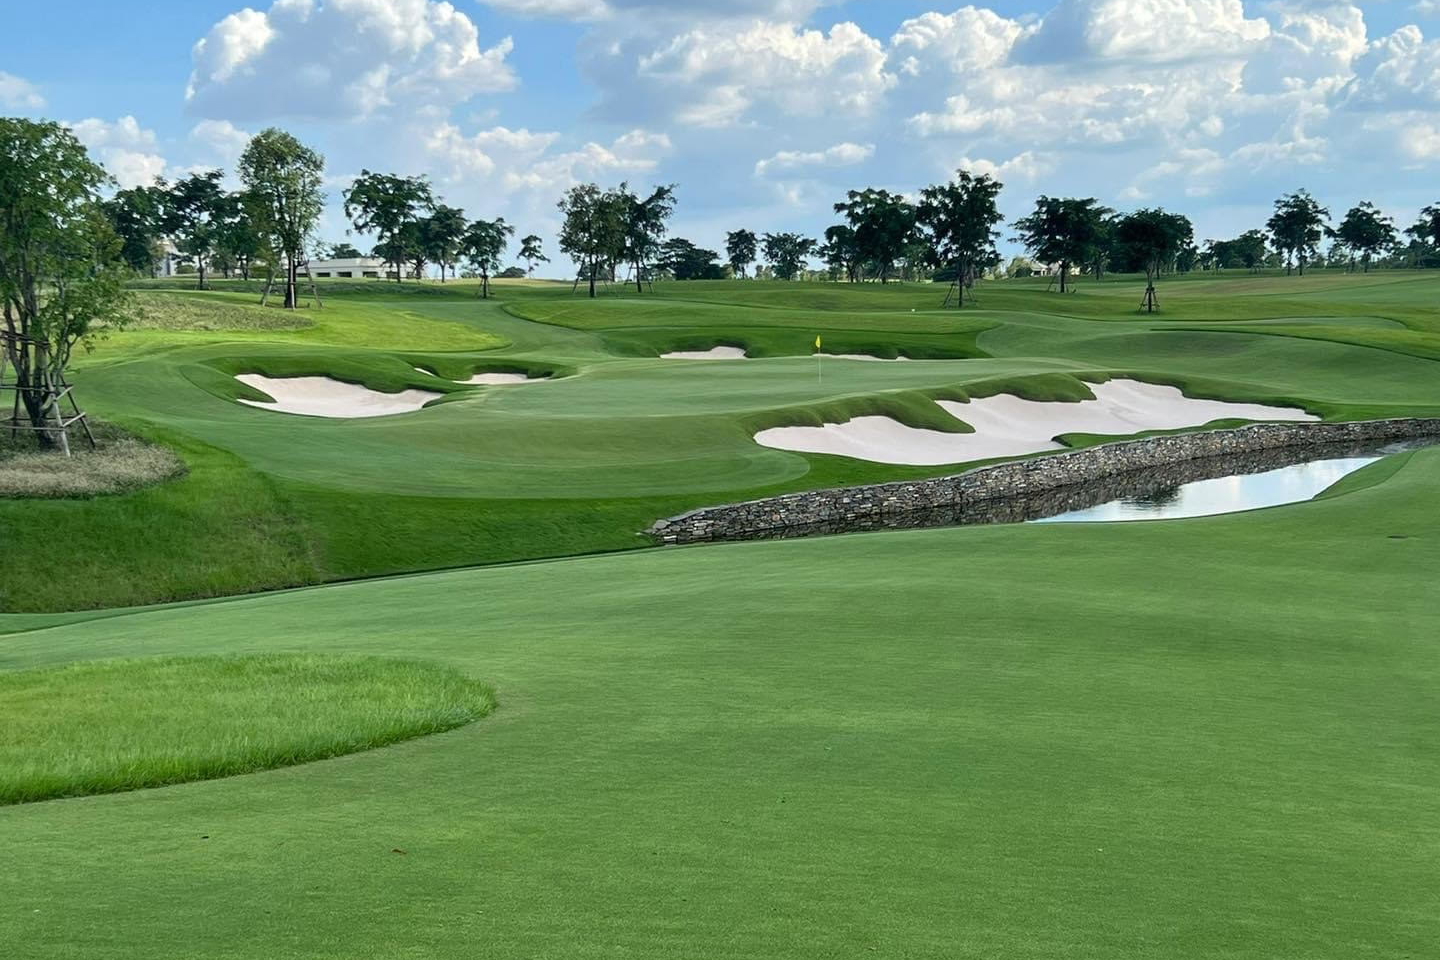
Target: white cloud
<point x="523" y="160"/>
<point x="795" y="10"/>
<point x="19" y="94"/>
<point x="1027" y="166"/>
<point x="1154" y="31"/>
<point x="221" y="140"/>
<point x="840" y="155"/>
<point x="969" y="39"/>
<point x="716" y="77"/>
<point x="128" y="151"/>
<point x="342" y="59"/>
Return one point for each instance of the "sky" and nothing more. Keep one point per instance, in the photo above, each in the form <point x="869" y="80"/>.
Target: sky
<point x="762" y="112"/>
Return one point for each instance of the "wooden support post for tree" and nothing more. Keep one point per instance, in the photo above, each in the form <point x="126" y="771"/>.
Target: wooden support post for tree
<point x="314" y="290"/>
<point x="1150" y="304"/>
<point x="269" y="283"/>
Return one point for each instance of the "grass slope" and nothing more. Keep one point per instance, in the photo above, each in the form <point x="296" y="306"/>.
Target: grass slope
<point x="1207" y="738"/>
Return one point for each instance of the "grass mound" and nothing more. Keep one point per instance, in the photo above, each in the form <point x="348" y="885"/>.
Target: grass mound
<point x="115" y="725"/>
<point x="174" y="311"/>
<point x="119" y="463"/>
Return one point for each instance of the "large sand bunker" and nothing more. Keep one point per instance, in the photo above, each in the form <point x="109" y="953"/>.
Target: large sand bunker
<point x="324" y="397"/>
<point x="714" y="353"/>
<point x="864" y="356"/>
<point x="1007" y="426"/>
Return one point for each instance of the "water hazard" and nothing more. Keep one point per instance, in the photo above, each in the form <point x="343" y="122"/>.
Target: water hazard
<point x="1192" y="488"/>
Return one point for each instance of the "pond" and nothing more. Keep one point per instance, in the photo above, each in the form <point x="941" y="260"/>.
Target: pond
<point x="1192" y="488"/>
<point x="1236" y="492"/>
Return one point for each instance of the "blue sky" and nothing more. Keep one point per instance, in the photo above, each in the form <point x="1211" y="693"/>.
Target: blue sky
<point x="764" y="111"/>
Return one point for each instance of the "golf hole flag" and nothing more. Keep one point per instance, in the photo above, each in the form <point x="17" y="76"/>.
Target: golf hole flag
<point x="817" y="343"/>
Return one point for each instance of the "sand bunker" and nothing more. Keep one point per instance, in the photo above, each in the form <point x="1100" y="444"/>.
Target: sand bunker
<point x="1007" y="426"/>
<point x="864" y="356"/>
<point x="324" y="397"/>
<point x="714" y="353"/>
<point x="488" y="379"/>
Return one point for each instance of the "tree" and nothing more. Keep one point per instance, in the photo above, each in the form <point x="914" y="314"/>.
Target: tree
<point x="1366" y="231"/>
<point x="1062" y="231"/>
<point x="787" y="253"/>
<point x="842" y="252"/>
<point x="282" y="177"/>
<point x="135" y="215"/>
<point x="884" y="223"/>
<point x="683" y="260"/>
<point x="339" y="251"/>
<point x="741" y="247"/>
<point x="1155" y="239"/>
<point x="60" y="264"/>
<point x="484" y="245"/>
<point x="959" y="220"/>
<point x="386" y="205"/>
<point x="191" y="211"/>
<point x="1424" y="236"/>
<point x="237" y="241"/>
<point x="589" y="229"/>
<point x="1297" y="227"/>
<point x="531" y="253"/>
<point x="441" y="234"/>
<point x="643" y="226"/>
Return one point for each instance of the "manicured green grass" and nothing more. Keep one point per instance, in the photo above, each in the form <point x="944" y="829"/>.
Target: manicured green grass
<point x="113" y="725"/>
<point x="1199" y="738"/>
<point x="615" y="437"/>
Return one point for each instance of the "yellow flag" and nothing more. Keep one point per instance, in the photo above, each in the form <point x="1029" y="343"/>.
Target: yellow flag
<point x="817" y="343"/>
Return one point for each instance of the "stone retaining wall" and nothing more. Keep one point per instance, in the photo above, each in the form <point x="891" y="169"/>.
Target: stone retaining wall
<point x="858" y="507"/>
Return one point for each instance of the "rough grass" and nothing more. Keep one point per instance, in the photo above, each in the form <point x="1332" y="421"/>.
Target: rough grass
<point x="119" y="464"/>
<point x="114" y="725"/>
<point x="170" y="311"/>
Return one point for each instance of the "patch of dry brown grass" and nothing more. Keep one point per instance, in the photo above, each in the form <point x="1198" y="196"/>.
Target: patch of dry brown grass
<point x="119" y="464"/>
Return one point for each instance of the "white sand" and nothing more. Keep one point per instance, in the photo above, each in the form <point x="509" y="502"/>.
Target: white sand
<point x="864" y="356"/>
<point x="324" y="397"/>
<point x="488" y="379"/>
<point x="1007" y="426"/>
<point x="714" y="353"/>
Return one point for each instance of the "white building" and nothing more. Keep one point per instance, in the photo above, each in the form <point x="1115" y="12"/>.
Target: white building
<point x="348" y="268"/>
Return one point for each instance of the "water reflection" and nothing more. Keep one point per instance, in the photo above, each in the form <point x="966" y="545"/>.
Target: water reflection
<point x="1204" y="498"/>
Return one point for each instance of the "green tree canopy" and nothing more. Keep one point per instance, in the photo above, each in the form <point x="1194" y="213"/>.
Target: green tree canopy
<point x="60" y="264"/>
<point x="884" y="224"/>
<point x="787" y="253"/>
<point x="389" y="206"/>
<point x="484" y="245"/>
<point x="532" y="253"/>
<point x="1366" y="231"/>
<point x="1063" y="231"/>
<point x="282" y="178"/>
<point x="191" y="212"/>
<point x="959" y="220"/>
<point x="741" y="249"/>
<point x="1155" y="239"/>
<point x="1296" y="228"/>
<point x="442" y="234"/>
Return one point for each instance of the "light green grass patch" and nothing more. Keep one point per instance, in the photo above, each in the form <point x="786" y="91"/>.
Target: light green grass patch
<point x="114" y="725"/>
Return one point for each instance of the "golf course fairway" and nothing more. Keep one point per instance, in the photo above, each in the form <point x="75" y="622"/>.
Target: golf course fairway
<point x="1209" y="737"/>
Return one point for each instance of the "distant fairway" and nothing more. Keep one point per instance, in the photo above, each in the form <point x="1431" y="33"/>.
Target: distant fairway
<point x="617" y="437"/>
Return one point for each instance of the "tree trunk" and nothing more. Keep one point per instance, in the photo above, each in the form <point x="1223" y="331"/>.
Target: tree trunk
<point x="639" y="285"/>
<point x="485" y="284"/>
<point x="1064" y="274"/>
<point x="200" y="272"/>
<point x="290" y="284"/>
<point x="593" y="267"/>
